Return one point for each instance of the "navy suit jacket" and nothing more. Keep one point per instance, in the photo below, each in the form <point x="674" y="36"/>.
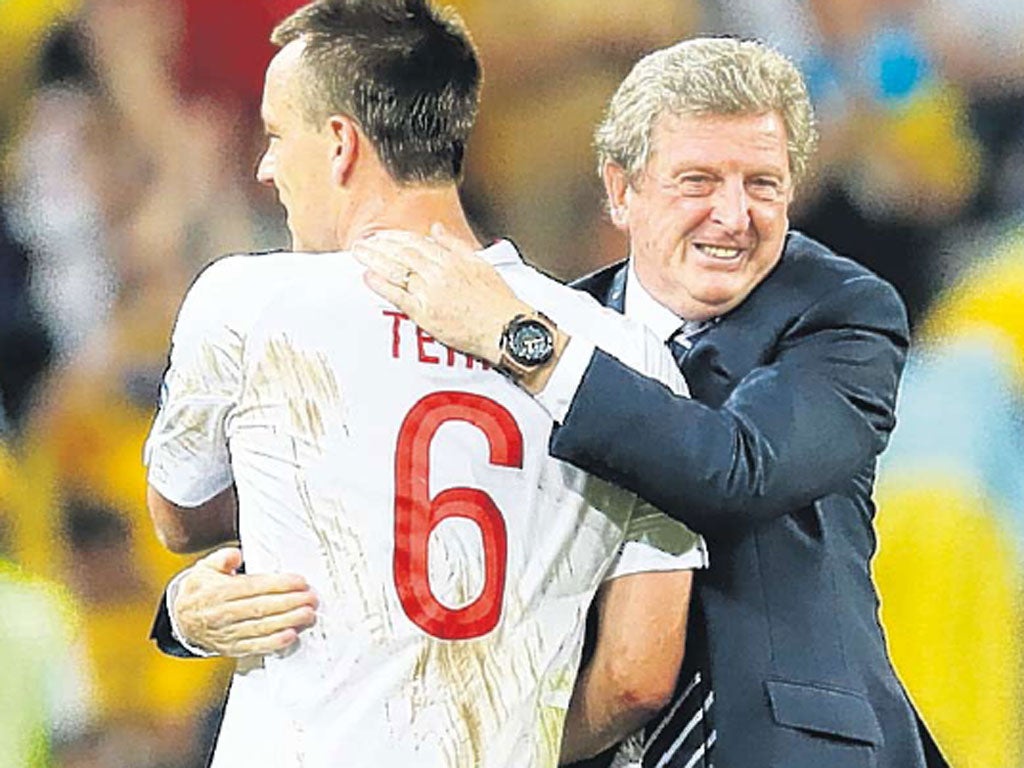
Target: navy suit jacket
<point x="773" y="461"/>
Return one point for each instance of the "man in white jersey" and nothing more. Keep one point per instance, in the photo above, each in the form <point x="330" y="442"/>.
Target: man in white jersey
<point x="452" y="559"/>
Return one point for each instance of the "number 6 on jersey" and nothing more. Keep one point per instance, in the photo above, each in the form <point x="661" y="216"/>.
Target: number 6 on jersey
<point x="417" y="514"/>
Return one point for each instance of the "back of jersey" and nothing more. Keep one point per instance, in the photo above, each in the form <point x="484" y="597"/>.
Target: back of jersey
<point x="454" y="560"/>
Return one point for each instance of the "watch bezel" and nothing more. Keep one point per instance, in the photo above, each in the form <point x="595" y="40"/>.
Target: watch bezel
<point x="514" y="358"/>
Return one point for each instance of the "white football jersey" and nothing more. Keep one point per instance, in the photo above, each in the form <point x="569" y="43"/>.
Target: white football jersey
<point x="454" y="559"/>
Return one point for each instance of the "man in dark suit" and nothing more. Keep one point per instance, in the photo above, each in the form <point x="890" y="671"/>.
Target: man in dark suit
<point x="793" y="356"/>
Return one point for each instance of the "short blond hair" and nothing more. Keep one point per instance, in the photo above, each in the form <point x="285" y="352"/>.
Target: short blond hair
<point x="706" y="76"/>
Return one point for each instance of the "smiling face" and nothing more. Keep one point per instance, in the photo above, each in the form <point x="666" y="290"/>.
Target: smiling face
<point x="297" y="161"/>
<point x="707" y="216"/>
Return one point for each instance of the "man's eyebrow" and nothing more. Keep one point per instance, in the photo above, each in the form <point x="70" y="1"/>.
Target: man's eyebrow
<point x="774" y="172"/>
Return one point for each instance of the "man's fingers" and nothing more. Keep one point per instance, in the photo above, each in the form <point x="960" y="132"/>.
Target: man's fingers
<point x="210" y="588"/>
<point x="385" y="265"/>
<point x="393" y="293"/>
<point x="298" y="618"/>
<point x="382" y="260"/>
<point x="263" y="607"/>
<point x="449" y="242"/>
<point x="263" y="635"/>
<point x="262" y="646"/>
<point x="389" y="255"/>
<point x="247" y="585"/>
<point x="226" y="630"/>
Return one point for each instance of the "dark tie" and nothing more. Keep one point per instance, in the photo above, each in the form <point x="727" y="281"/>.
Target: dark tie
<point x="680" y="342"/>
<point x="679" y="350"/>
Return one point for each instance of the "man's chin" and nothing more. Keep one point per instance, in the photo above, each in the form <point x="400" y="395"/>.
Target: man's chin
<point x="717" y="291"/>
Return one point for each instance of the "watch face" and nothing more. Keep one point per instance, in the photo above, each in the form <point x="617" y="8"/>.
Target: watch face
<point x="530" y="343"/>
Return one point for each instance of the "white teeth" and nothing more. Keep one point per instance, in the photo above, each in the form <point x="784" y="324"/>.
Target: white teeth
<point x="719" y="253"/>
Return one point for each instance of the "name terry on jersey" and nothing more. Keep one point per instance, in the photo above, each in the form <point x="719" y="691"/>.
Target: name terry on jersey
<point x="409" y="341"/>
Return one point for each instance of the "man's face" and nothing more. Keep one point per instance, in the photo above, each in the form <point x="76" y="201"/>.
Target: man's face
<point x="297" y="161"/>
<point x="707" y="216"/>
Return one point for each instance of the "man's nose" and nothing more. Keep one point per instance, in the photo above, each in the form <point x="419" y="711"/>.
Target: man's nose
<point x="731" y="206"/>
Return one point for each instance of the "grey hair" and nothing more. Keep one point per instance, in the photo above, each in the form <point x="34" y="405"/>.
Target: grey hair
<point x="706" y="76"/>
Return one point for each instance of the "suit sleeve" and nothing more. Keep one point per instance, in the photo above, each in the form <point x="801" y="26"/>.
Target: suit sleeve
<point x="163" y="634"/>
<point x="791" y="431"/>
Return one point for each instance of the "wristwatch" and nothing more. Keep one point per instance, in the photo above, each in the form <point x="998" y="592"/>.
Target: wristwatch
<point x="527" y="343"/>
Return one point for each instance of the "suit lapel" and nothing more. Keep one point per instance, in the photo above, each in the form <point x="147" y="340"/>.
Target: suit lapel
<point x="607" y="285"/>
<point x="616" y="298"/>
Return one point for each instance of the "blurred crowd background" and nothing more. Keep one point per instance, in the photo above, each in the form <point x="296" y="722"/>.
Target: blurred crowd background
<point x="129" y="134"/>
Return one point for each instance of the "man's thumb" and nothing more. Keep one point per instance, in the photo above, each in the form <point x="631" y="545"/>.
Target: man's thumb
<point x="226" y="560"/>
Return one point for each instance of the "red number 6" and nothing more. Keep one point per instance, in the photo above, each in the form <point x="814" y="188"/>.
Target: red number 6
<point x="417" y="514"/>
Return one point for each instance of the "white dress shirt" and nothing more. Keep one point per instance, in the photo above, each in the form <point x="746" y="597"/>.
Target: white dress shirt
<point x="640" y="306"/>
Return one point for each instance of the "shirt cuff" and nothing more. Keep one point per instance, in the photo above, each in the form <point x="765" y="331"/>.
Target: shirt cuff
<point x="172" y="593"/>
<point x="558" y="393"/>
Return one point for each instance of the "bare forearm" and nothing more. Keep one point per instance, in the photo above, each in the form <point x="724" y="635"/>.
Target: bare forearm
<point x="192" y="529"/>
<point x="635" y="663"/>
<point x="597" y="719"/>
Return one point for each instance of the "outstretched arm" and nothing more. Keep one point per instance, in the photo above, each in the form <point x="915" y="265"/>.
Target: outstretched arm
<point x="793" y="430"/>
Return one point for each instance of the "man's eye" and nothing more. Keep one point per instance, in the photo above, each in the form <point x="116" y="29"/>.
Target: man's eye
<point x="695" y="183"/>
<point x="765" y="188"/>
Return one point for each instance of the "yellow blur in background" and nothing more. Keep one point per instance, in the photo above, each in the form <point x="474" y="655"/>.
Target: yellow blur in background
<point x="950" y="566"/>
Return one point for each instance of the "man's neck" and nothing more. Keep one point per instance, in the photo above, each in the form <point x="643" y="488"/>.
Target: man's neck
<point x="413" y="208"/>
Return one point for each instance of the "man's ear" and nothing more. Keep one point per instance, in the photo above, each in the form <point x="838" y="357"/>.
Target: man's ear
<point x="616" y="187"/>
<point x="344" y="148"/>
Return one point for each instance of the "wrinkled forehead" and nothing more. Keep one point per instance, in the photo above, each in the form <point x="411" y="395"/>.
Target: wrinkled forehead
<point x="755" y="133"/>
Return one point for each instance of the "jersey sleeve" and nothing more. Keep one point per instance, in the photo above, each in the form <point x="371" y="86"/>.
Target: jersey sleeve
<point x="187" y="449"/>
<point x="656" y="542"/>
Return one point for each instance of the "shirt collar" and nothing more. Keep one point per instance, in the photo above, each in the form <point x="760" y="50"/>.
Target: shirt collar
<point x="500" y="252"/>
<point x="643" y="307"/>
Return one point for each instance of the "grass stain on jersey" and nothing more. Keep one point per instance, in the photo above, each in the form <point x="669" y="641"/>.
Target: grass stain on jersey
<point x="550" y="725"/>
<point x="192" y="393"/>
<point x="301" y="381"/>
<point x="467" y="694"/>
<point x="324" y="544"/>
<point x="458" y="676"/>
